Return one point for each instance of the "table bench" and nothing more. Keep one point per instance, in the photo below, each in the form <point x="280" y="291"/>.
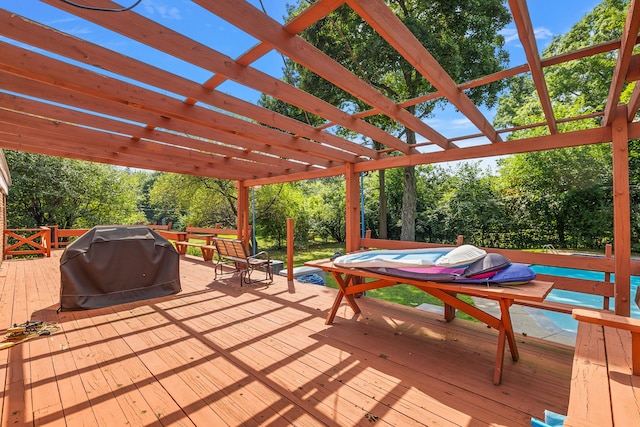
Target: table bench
<point x="207" y="251"/>
<point x="156" y="226"/>
<point x="605" y="380"/>
<point x="354" y="281"/>
<point x="207" y="233"/>
<point x="233" y="251"/>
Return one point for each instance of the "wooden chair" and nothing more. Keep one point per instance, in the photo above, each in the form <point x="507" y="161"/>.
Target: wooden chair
<point x="233" y="251"/>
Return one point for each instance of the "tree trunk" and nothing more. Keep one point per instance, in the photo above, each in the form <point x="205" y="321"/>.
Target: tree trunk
<point x="382" y="211"/>
<point x="409" y="203"/>
<point x="408" y="232"/>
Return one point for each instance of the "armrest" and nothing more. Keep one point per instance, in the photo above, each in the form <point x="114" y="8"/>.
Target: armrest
<point x="259" y="255"/>
<point x="607" y="319"/>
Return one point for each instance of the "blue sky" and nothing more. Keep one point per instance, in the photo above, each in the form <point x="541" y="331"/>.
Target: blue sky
<point x="549" y="18"/>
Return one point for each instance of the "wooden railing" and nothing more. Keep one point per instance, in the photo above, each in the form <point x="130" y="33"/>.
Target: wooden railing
<point x="603" y="264"/>
<point x="27" y="241"/>
<point x="60" y="236"/>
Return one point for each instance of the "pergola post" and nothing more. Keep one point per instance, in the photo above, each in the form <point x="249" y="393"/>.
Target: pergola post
<point x="621" y="211"/>
<point x="352" y="195"/>
<point x="243" y="214"/>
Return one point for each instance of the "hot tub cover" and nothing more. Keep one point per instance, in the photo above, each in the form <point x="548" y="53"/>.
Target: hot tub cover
<point x="111" y="265"/>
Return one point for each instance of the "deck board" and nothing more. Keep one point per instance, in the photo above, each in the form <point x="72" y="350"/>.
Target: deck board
<point x="220" y="354"/>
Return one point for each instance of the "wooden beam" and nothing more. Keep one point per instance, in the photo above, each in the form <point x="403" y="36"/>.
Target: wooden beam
<point x="378" y="15"/>
<point x="58" y="113"/>
<point x="54" y="146"/>
<point x="166" y="40"/>
<point x="299" y="176"/>
<point x="548" y="142"/>
<point x="633" y="73"/>
<point x="80" y="139"/>
<point x="308" y="17"/>
<point x="187" y="129"/>
<point x="19" y="28"/>
<point x="634" y="103"/>
<point x="39" y="68"/>
<point x="522" y="20"/>
<point x="621" y="211"/>
<point x="243" y="213"/>
<point x="628" y="42"/>
<point x="251" y="20"/>
<point x="514" y="71"/>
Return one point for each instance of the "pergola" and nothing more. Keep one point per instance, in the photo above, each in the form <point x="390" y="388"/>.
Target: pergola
<point x="63" y="95"/>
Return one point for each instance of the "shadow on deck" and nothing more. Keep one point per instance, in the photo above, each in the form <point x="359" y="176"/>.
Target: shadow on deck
<point x="220" y="354"/>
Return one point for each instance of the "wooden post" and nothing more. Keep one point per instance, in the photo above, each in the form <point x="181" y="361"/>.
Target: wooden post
<point x="290" y="242"/>
<point x="621" y="211"/>
<point x="352" y="195"/>
<point x="608" y="251"/>
<point x="243" y="214"/>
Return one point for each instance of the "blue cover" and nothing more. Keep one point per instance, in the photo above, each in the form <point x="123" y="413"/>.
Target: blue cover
<point x="514" y="274"/>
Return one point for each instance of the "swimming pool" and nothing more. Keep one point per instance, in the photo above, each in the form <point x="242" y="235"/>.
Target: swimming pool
<point x="565" y="321"/>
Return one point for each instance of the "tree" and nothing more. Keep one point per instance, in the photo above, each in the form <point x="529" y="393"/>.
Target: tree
<point x="567" y="191"/>
<point x="461" y="34"/>
<point x="276" y="203"/>
<point x="196" y="200"/>
<point x="326" y="207"/>
<point x="68" y="193"/>
<point x="471" y="207"/>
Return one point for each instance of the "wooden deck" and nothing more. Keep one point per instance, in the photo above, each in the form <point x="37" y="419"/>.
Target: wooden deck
<point x="217" y="354"/>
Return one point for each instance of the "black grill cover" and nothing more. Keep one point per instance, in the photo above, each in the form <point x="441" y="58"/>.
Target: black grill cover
<point x="111" y="265"/>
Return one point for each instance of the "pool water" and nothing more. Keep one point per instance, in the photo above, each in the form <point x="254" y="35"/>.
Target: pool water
<point x="565" y="321"/>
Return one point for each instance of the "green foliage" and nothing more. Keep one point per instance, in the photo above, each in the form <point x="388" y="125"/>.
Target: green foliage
<point x="327" y="207"/>
<point x="276" y="203"/>
<point x="69" y="193"/>
<point x="566" y="193"/>
<point x="186" y="199"/>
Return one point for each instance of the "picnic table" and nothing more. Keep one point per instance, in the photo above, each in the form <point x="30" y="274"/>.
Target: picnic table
<point x="351" y="281"/>
<point x="178" y="236"/>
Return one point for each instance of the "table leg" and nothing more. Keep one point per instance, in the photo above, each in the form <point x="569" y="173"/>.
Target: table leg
<point x="334" y="308"/>
<point x="497" y="372"/>
<point x="508" y="328"/>
<point x="343" y="283"/>
<point x="449" y="311"/>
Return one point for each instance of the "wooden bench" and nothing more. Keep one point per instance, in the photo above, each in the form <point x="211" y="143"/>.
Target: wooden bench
<point x="156" y="226"/>
<point x="605" y="381"/>
<point x="207" y="234"/>
<point x="233" y="251"/>
<point x="207" y="251"/>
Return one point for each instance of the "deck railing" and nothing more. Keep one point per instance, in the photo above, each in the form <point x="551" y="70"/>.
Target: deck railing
<point x="27" y="241"/>
<point x="61" y="236"/>
<point x="603" y="264"/>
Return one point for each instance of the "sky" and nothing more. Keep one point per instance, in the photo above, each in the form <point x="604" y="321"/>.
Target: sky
<point x="549" y="18"/>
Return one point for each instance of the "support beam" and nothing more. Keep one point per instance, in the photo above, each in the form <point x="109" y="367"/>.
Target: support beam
<point x="528" y="40"/>
<point x="151" y="33"/>
<point x="388" y="25"/>
<point x="352" y="195"/>
<point x="627" y="44"/>
<point x="243" y="214"/>
<point x="621" y="211"/>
